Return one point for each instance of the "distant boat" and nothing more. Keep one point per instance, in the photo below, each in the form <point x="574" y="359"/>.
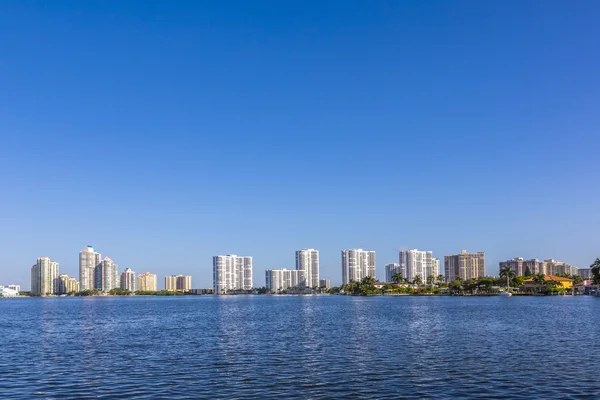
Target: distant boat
<point x="504" y="294"/>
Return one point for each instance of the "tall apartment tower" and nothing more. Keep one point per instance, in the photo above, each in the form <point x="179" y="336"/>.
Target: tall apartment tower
<point x="356" y="264"/>
<point x="281" y="279"/>
<point x="307" y="261"/>
<point x="128" y="280"/>
<point x="464" y="265"/>
<point x="146" y="282"/>
<point x="67" y="284"/>
<point x="88" y="261"/>
<point x="435" y="267"/>
<point x="390" y="270"/>
<point x="178" y="282"/>
<point x="232" y="272"/>
<point x="415" y="263"/>
<point x="107" y="275"/>
<point x="44" y="277"/>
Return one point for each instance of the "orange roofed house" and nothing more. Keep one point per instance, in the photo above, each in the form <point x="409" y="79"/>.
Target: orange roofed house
<point x="564" y="283"/>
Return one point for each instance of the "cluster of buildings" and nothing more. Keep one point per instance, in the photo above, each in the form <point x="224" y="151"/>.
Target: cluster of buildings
<point x="534" y="266"/>
<point x="99" y="273"/>
<point x="306" y="274"/>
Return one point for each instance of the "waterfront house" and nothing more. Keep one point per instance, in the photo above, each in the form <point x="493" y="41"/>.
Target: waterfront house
<point x="561" y="283"/>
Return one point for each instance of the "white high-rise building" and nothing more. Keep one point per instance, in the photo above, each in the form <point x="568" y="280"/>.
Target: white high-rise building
<point x="44" y="277"/>
<point x="128" y="280"/>
<point x="356" y="264"/>
<point x="416" y="263"/>
<point x="307" y="261"/>
<point x="88" y="261"/>
<point x="435" y="267"/>
<point x="281" y="279"/>
<point x="390" y="270"/>
<point x="232" y="272"/>
<point x="107" y="275"/>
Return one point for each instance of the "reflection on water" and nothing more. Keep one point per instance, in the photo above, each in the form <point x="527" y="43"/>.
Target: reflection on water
<point x="302" y="347"/>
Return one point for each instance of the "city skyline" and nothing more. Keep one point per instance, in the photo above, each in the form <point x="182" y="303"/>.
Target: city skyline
<point x="381" y="270"/>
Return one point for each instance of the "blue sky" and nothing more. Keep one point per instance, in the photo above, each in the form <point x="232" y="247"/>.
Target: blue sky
<point x="164" y="133"/>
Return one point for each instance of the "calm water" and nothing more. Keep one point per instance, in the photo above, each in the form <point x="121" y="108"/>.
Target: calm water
<point x="300" y="347"/>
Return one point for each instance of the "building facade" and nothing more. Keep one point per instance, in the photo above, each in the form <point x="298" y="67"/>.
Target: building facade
<point x="232" y="272"/>
<point x="146" y="282"/>
<point x="107" y="275"/>
<point x="7" y="291"/>
<point x="88" y="261"/>
<point x="534" y="266"/>
<point x="128" y="280"/>
<point x="464" y="265"/>
<point x="356" y="264"/>
<point x="44" y="277"/>
<point x="307" y="261"/>
<point x="67" y="284"/>
<point x="415" y="263"/>
<point x="585" y="273"/>
<point x="325" y="283"/>
<point x="435" y="267"/>
<point x="390" y="270"/>
<point x="178" y="282"/>
<point x="281" y="279"/>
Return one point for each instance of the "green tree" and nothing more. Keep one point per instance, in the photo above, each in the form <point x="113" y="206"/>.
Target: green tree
<point x="540" y="279"/>
<point x="417" y="280"/>
<point x="440" y="280"/>
<point x="595" y="267"/>
<point x="577" y="279"/>
<point x="430" y="280"/>
<point x="528" y="271"/>
<point x="397" y="277"/>
<point x="507" y="273"/>
<point x="455" y="286"/>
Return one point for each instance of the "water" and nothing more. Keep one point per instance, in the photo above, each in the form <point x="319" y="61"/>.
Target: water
<point x="301" y="347"/>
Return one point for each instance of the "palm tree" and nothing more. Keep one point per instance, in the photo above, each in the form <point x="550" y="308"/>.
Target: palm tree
<point x="595" y="267"/>
<point x="430" y="280"/>
<point x="417" y="280"/>
<point x="397" y="277"/>
<point x="540" y="279"/>
<point x="508" y="273"/>
<point x="440" y="280"/>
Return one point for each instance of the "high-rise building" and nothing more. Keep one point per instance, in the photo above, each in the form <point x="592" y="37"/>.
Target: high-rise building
<point x="390" y="270"/>
<point x="356" y="264"/>
<point x="435" y="267"/>
<point x="128" y="280"/>
<point x="107" y="275"/>
<point x="67" y="284"/>
<point x="282" y="279"/>
<point x="584" y="273"/>
<point x="178" y="282"/>
<point x="415" y="263"/>
<point x="44" y="277"/>
<point x="307" y="261"/>
<point x="464" y="265"/>
<point x="146" y="282"/>
<point x="88" y="261"/>
<point x="325" y="283"/>
<point x="232" y="272"/>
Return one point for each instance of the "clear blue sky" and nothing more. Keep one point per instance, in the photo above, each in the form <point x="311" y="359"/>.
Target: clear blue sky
<point x="166" y="132"/>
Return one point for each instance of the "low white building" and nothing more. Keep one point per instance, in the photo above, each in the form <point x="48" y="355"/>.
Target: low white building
<point x="282" y="279"/>
<point x="6" y="291"/>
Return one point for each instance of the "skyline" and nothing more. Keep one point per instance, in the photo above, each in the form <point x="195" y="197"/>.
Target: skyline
<point x="380" y="270"/>
<point x="164" y="133"/>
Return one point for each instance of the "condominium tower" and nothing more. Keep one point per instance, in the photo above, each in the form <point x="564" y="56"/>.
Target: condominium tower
<point x="282" y="279"/>
<point x="67" y="284"/>
<point x="88" y="261"/>
<point x="178" y="282"/>
<point x="307" y="261"/>
<point x="232" y="272"/>
<point x="390" y="270"/>
<point x="464" y="265"/>
<point x="415" y="263"/>
<point x="534" y="266"/>
<point x="356" y="264"/>
<point x="44" y="277"/>
<point x="128" y="280"/>
<point x="146" y="282"/>
<point x="107" y="275"/>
